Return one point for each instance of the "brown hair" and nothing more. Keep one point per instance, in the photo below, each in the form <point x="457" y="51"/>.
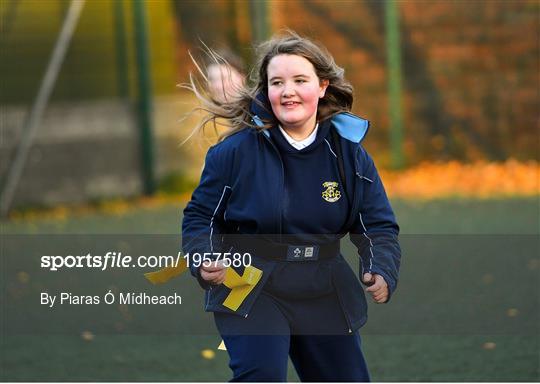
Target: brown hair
<point x="236" y="114"/>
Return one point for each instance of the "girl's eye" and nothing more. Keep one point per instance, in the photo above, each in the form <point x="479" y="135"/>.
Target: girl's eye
<point x="276" y="83"/>
<point x="300" y="81"/>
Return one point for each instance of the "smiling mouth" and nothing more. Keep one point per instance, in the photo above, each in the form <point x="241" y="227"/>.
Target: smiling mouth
<point x="290" y="104"/>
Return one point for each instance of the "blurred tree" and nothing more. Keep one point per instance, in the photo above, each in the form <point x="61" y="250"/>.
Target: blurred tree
<point x="90" y="70"/>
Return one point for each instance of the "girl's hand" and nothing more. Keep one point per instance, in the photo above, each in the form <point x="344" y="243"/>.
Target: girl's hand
<point x="377" y="287"/>
<point x="214" y="273"/>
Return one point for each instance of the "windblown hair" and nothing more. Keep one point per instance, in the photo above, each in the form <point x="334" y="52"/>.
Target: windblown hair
<point x="236" y="114"/>
<point x="227" y="57"/>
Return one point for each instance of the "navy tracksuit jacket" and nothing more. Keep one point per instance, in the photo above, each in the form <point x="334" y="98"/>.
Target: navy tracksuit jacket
<point x="241" y="192"/>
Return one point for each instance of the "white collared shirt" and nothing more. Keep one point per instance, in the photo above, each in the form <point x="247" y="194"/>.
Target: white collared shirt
<point x="300" y="144"/>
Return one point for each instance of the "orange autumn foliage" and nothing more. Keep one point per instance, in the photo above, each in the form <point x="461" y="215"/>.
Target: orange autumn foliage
<point x="454" y="179"/>
<point x="425" y="181"/>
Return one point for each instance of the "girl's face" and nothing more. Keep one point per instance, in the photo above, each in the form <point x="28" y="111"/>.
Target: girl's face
<point x="294" y="91"/>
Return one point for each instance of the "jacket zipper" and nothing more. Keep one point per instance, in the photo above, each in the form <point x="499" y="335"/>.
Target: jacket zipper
<point x="354" y="202"/>
<point x="282" y="185"/>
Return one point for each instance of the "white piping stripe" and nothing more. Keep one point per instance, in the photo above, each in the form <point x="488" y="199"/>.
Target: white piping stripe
<point x="208" y="298"/>
<point x="370" y="242"/>
<point x="363" y="177"/>
<point x="212" y="219"/>
<point x="329" y="146"/>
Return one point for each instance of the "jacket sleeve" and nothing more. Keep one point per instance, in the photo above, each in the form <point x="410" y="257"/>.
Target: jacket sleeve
<point x="375" y="230"/>
<point x="203" y="215"/>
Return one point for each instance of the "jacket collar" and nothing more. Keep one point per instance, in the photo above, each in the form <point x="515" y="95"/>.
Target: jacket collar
<point x="349" y="126"/>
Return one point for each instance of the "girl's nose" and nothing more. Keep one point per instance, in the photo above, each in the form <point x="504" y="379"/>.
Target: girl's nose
<point x="288" y="90"/>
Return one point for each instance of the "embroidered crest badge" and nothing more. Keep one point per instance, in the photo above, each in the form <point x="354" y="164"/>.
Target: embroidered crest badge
<point x="331" y="193"/>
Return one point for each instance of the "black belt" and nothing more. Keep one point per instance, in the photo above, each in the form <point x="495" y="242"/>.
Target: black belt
<point x="283" y="252"/>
